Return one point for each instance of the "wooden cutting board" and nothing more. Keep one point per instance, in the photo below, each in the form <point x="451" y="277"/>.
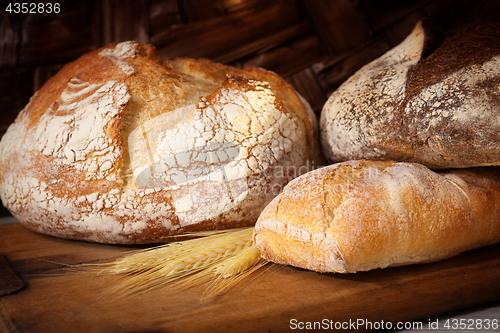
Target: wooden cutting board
<point x="40" y="297"/>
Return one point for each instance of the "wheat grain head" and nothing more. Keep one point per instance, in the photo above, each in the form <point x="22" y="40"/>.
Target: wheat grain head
<point x="222" y="258"/>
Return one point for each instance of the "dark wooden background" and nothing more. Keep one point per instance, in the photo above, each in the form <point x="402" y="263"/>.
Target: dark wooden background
<point x="314" y="44"/>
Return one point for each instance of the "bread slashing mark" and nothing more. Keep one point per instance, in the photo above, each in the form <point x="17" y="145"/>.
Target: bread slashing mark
<point x="79" y="138"/>
<point x="228" y="139"/>
<point x="120" y="53"/>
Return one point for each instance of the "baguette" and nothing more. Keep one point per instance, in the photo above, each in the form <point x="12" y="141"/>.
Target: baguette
<point x="362" y="215"/>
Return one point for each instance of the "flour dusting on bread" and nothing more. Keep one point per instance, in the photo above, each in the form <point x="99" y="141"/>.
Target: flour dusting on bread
<point x="440" y="110"/>
<point x="132" y="148"/>
<point x="120" y="53"/>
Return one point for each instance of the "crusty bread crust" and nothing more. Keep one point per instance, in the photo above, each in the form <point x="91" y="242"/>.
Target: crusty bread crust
<point x="362" y="215"/>
<point x="122" y="146"/>
<point x="440" y="109"/>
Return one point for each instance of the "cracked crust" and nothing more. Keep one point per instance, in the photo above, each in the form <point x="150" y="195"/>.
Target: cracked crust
<point x="363" y="215"/>
<point x="122" y="146"/>
<point x="441" y="110"/>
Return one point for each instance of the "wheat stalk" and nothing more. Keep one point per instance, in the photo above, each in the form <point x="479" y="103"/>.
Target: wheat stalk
<point x="222" y="258"/>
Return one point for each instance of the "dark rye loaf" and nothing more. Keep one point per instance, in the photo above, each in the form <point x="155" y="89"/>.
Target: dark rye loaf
<point x="436" y="106"/>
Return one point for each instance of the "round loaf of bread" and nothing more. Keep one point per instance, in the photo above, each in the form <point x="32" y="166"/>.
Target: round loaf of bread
<point x="438" y="106"/>
<point x="122" y="146"/>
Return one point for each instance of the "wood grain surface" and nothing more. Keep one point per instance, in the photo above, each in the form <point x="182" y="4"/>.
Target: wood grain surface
<point x="53" y="299"/>
<point x="315" y="45"/>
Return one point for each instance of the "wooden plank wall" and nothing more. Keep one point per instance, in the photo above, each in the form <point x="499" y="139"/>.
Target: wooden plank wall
<point x="314" y="44"/>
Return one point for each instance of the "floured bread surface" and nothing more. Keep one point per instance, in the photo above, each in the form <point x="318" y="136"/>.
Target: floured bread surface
<point x="361" y="215"/>
<point x="122" y="146"/>
<point x="440" y="109"/>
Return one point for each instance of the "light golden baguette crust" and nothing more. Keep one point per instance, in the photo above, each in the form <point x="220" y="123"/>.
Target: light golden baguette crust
<point x="362" y="215"/>
<point x="440" y="109"/>
<point x="122" y="146"/>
